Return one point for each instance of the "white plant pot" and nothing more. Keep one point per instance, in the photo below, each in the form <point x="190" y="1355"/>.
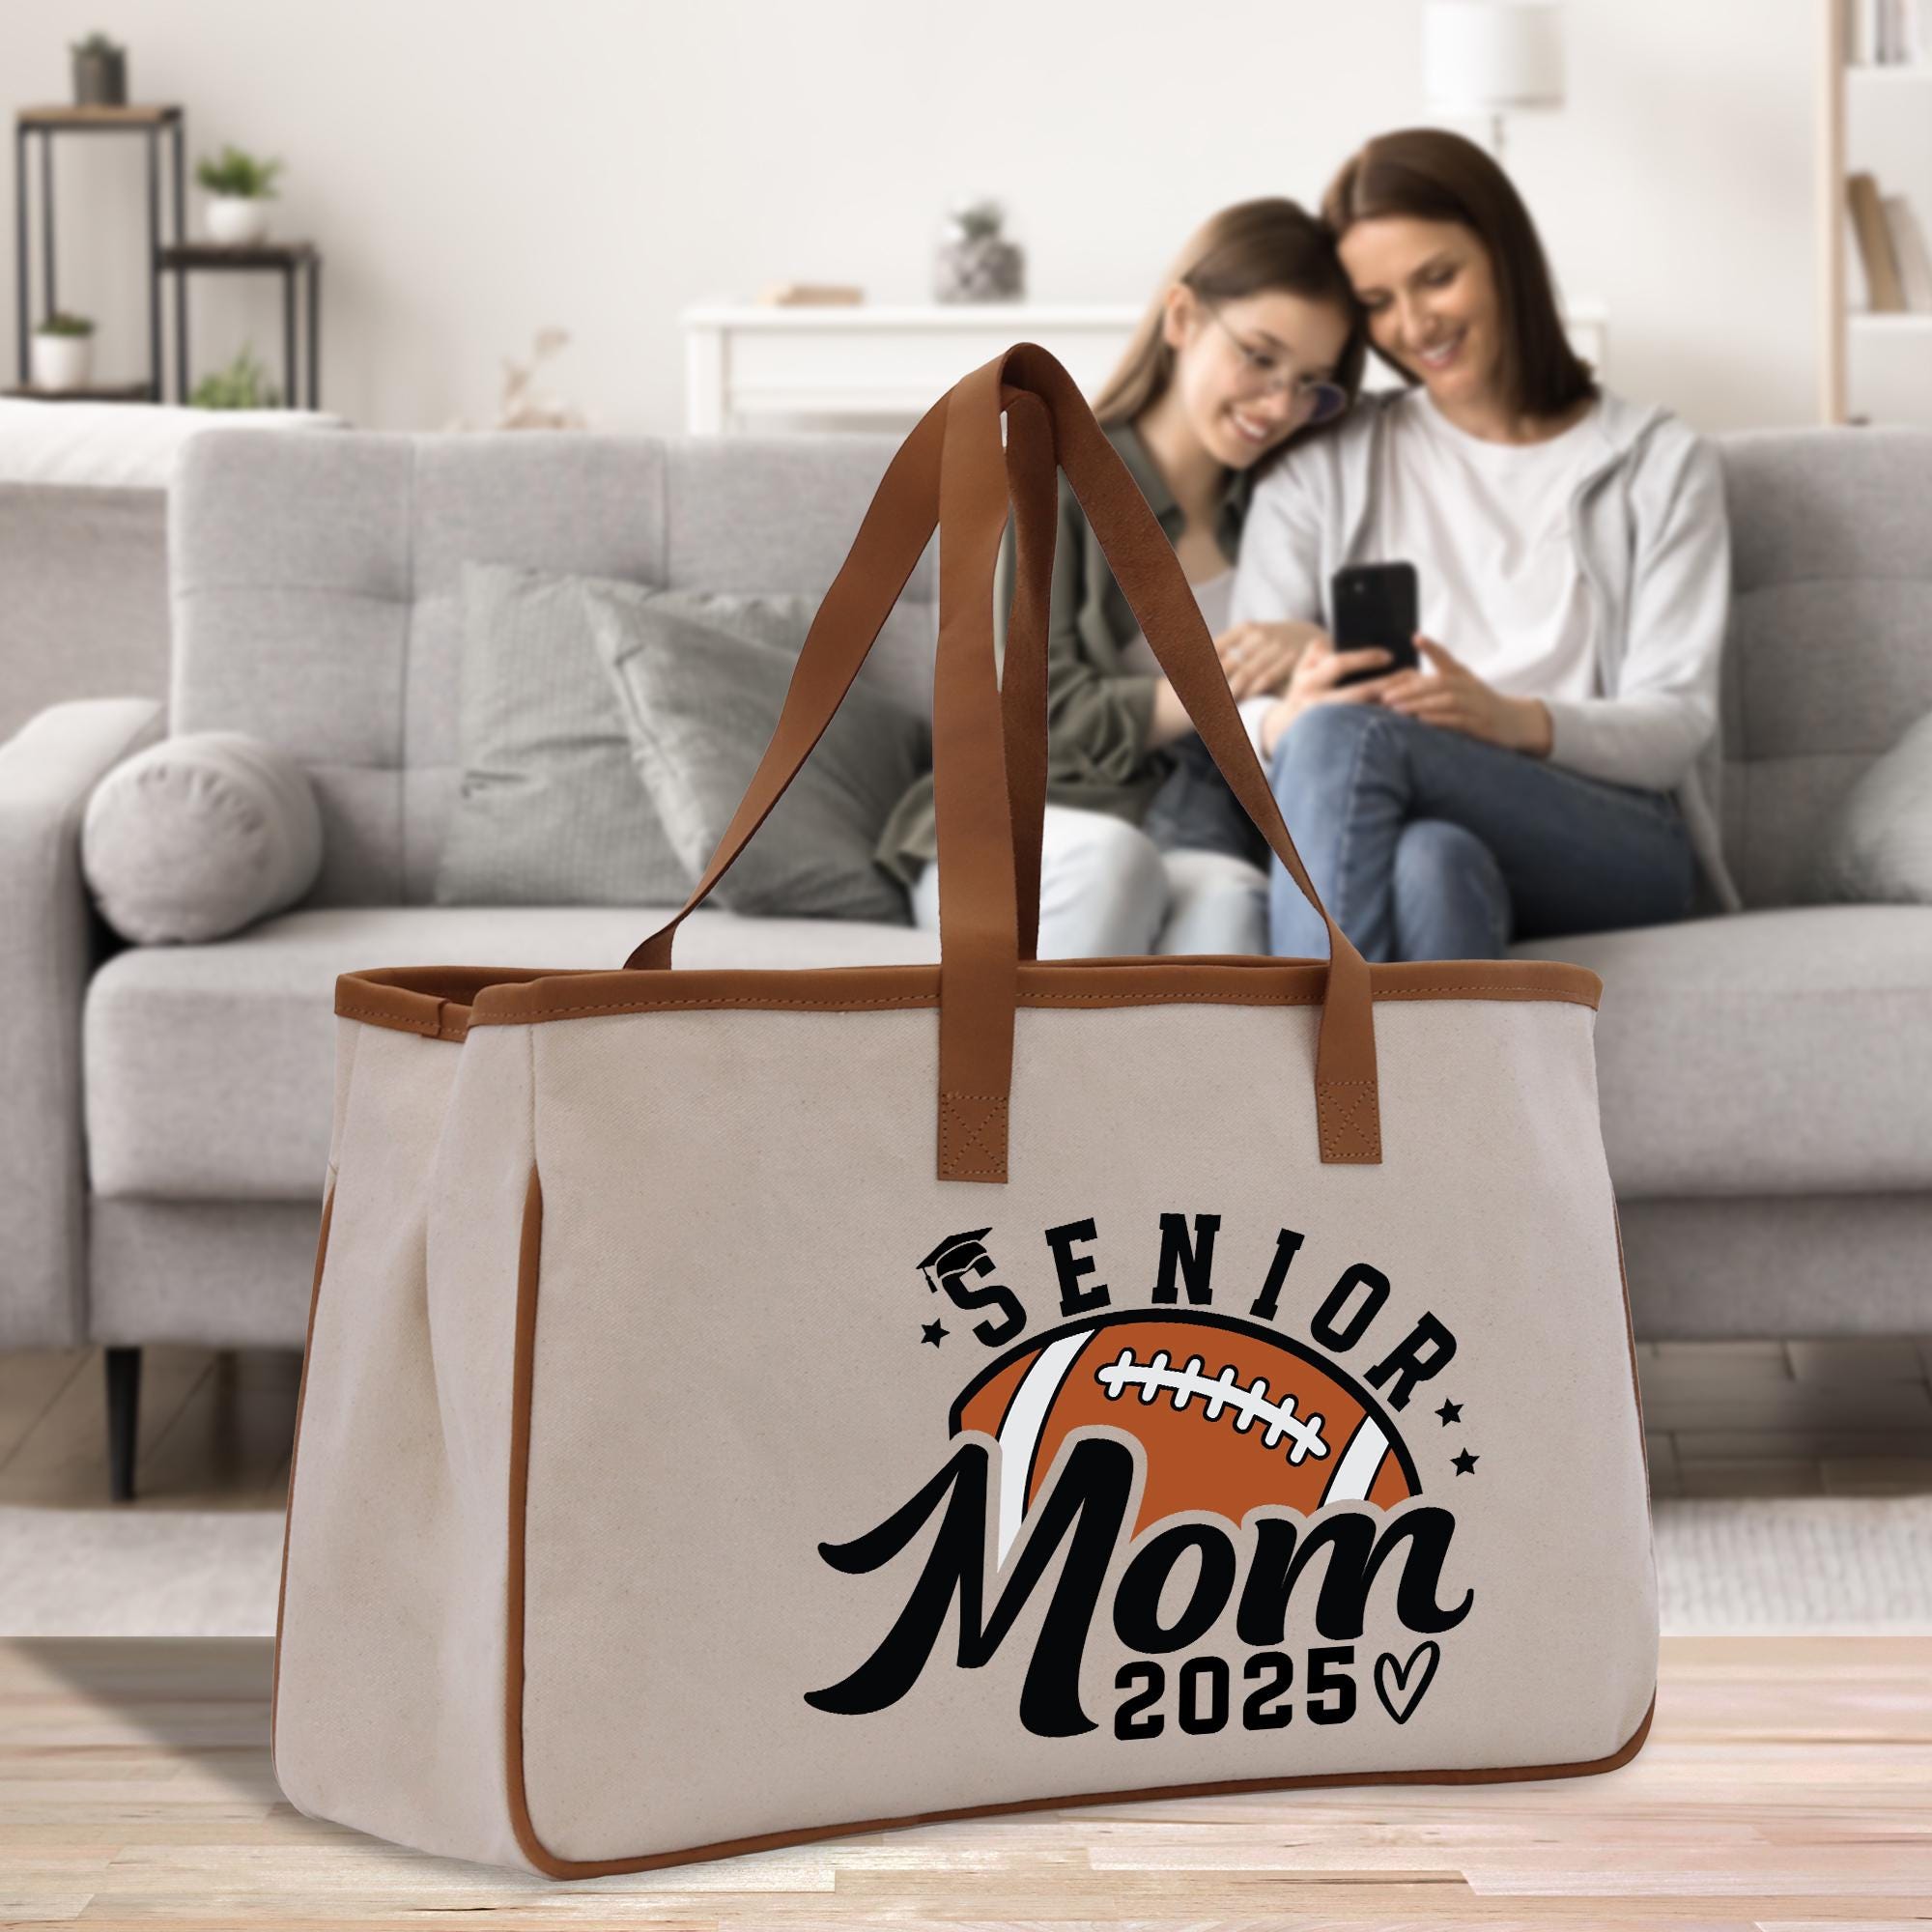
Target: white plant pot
<point x="237" y="220"/>
<point x="62" y="361"/>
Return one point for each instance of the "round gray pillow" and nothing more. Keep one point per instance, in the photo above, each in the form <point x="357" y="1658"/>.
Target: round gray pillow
<point x="198" y="835"/>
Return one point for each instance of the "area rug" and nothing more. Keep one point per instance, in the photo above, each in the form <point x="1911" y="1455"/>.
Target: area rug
<point x="1853" y="1565"/>
<point x="1857" y="1565"/>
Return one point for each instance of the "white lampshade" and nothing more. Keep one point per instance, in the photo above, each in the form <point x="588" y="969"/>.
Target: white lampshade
<point x="1490" y="56"/>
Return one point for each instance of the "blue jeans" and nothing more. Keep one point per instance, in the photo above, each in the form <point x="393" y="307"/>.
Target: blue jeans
<point x="1425" y="844"/>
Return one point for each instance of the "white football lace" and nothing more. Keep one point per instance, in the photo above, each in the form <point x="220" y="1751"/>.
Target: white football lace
<point x="1250" y="1405"/>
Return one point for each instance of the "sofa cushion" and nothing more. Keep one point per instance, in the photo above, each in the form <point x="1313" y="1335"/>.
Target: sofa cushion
<point x="549" y="811"/>
<point x="1787" y="1049"/>
<point x="318" y="579"/>
<point x="1878" y="849"/>
<point x="1776" y="1051"/>
<point x="701" y="680"/>
<point x="209" y="1068"/>
<point x="199" y="836"/>
<point x="1827" y="649"/>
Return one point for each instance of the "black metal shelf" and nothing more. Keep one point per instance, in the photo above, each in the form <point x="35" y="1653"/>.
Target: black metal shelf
<point x="180" y="257"/>
<point x="291" y="260"/>
<point x="46" y="122"/>
<point x="93" y="393"/>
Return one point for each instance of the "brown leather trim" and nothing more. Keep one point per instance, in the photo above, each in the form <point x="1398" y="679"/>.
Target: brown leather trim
<point x="443" y="1002"/>
<point x="437" y="1007"/>
<point x="529" y="1250"/>
<point x="294" y="1453"/>
<point x="548" y="1862"/>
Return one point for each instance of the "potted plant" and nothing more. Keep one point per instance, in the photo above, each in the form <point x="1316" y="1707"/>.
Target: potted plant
<point x="242" y="386"/>
<point x="240" y="189"/>
<point x="63" y="352"/>
<point x="100" y="72"/>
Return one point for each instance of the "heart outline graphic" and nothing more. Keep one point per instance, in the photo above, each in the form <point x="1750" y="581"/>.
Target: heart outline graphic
<point x="1428" y="1649"/>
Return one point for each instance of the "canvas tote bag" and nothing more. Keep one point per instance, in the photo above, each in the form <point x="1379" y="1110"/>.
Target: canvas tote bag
<point x="745" y="1407"/>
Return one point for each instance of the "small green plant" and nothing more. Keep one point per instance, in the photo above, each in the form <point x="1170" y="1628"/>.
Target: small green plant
<point x="97" y="44"/>
<point x="977" y="220"/>
<point x="242" y="386"/>
<point x="239" y="173"/>
<point x="62" y="323"/>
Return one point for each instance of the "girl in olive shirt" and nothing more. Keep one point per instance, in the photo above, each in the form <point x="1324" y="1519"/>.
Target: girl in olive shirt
<point x="1251" y="341"/>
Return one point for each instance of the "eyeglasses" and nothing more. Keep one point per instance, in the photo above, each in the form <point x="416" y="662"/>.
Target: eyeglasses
<point x="1312" y="402"/>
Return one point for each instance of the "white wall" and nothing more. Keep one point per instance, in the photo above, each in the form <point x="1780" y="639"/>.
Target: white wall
<point x="472" y="171"/>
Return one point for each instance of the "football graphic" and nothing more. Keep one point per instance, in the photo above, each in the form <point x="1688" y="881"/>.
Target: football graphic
<point x="1231" y="1417"/>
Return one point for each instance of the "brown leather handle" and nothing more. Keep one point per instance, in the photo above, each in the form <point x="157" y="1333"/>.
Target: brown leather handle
<point x="1031" y="474"/>
<point x="1144" y="565"/>
<point x="977" y="768"/>
<point x="989" y="730"/>
<point x="893" y="535"/>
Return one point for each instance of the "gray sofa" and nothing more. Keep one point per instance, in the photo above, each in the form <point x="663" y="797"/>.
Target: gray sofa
<point x="84" y="586"/>
<point x="1766" y="1078"/>
<point x="83" y="544"/>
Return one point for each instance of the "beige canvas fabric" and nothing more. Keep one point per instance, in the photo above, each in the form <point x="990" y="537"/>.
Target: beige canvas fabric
<point x="728" y="1370"/>
<point x="684" y="1464"/>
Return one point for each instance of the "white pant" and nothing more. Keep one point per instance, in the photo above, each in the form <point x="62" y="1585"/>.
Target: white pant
<point x="1106" y="888"/>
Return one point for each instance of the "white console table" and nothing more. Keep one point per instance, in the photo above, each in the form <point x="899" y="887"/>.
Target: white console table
<point x="883" y="366"/>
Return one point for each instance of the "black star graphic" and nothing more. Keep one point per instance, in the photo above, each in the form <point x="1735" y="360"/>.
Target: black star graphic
<point x="1466" y="1462"/>
<point x="933" y="1333"/>
<point x="1450" y="1411"/>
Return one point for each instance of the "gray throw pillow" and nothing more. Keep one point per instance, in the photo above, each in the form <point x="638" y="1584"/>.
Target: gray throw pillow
<point x="701" y="679"/>
<point x="199" y="836"/>
<point x="1878" y="849"/>
<point x="549" y="811"/>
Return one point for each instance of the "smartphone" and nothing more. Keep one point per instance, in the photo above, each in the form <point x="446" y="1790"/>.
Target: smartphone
<point x="1377" y="604"/>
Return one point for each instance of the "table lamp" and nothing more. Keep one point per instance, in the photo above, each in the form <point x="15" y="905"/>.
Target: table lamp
<point x="1492" y="56"/>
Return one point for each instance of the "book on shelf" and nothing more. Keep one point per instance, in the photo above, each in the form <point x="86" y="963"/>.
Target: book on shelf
<point x="1885" y="33"/>
<point x="1909" y="253"/>
<point x="1885" y="291"/>
<point x="810" y="295"/>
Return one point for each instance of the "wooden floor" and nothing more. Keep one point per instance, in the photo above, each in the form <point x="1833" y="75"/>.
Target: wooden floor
<point x="216" y="1428"/>
<point x="1723" y="1419"/>
<point x="1787" y="1784"/>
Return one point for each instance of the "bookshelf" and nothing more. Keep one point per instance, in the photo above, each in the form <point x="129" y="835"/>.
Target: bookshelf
<point x="156" y="123"/>
<point x="1877" y="365"/>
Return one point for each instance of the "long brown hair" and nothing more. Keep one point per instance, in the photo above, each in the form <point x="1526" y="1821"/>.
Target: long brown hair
<point x="1432" y="175"/>
<point x="1255" y="247"/>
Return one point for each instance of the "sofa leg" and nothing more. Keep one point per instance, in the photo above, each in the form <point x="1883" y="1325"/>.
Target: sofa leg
<point x="123" y="1405"/>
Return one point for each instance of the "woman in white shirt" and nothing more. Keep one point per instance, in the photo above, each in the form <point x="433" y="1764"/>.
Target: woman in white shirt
<point x="1550" y="768"/>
